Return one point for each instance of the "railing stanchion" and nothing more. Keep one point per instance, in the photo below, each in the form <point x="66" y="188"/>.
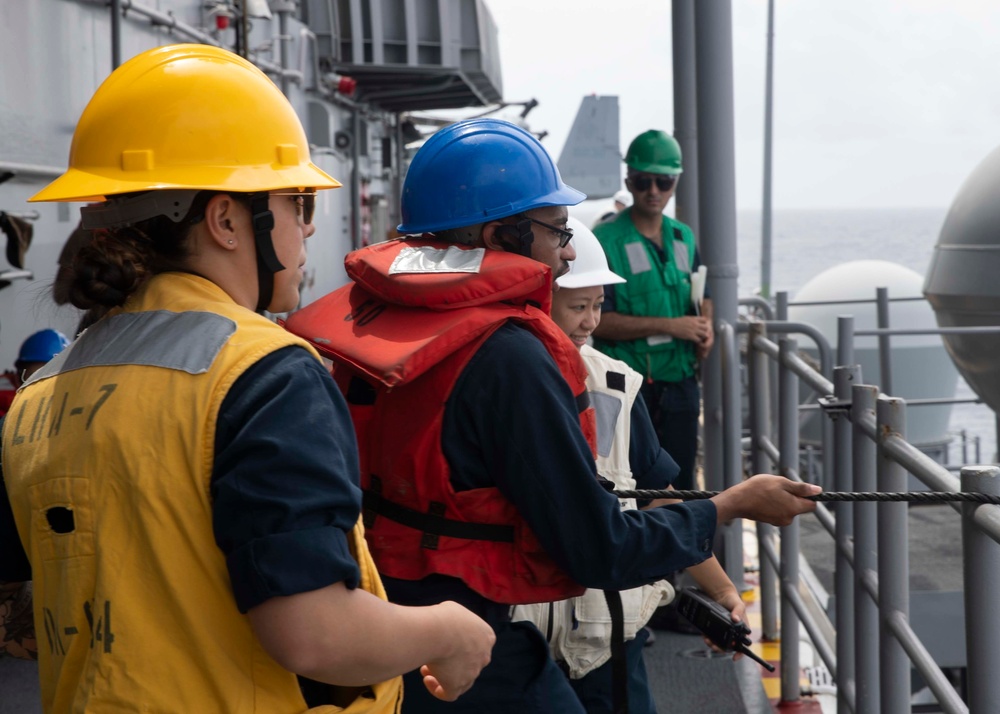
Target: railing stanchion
<point x="788" y="432"/>
<point x="884" y="351"/>
<point x="843" y="380"/>
<point x="760" y="429"/>
<point x="866" y="692"/>
<point x="981" y="556"/>
<point x="732" y="461"/>
<point x="894" y="563"/>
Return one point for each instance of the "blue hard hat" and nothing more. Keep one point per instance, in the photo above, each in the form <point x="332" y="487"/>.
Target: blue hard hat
<point x="479" y="170"/>
<point x="42" y="346"/>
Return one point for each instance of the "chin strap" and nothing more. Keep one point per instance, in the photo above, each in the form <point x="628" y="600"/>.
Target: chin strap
<point x="267" y="260"/>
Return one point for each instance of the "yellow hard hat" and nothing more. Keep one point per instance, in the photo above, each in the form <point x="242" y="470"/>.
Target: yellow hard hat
<point x="188" y="117"/>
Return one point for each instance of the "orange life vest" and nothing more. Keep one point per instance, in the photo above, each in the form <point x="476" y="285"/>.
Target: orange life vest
<point x="409" y="335"/>
<point x="8" y="390"/>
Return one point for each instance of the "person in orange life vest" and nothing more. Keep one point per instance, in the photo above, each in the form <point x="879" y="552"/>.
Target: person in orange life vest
<point x="35" y="351"/>
<point x="9" y="382"/>
<point x="472" y="418"/>
<point x="195" y="539"/>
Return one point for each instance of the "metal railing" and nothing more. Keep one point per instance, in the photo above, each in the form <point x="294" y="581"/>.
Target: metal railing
<point x="776" y="319"/>
<point x="875" y="645"/>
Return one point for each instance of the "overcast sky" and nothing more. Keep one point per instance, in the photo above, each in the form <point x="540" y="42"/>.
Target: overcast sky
<point x="879" y="103"/>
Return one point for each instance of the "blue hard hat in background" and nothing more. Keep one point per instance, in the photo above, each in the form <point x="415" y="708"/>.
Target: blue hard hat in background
<point x="479" y="170"/>
<point x="42" y="346"/>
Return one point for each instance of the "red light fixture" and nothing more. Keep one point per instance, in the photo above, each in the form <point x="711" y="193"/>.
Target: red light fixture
<point x="347" y="85"/>
<point x="342" y="84"/>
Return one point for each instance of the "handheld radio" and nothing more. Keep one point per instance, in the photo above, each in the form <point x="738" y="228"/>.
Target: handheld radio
<point x="715" y="623"/>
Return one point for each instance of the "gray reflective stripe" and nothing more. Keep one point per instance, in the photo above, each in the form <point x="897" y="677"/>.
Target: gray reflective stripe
<point x="185" y="341"/>
<point x="638" y="258"/>
<point x="681" y="258"/>
<point x="607" y="408"/>
<point x="425" y="259"/>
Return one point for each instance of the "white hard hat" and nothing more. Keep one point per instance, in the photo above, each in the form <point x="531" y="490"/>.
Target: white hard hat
<point x="623" y="197"/>
<point x="590" y="268"/>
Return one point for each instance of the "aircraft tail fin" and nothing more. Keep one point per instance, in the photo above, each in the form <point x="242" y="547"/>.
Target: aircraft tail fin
<point x="591" y="160"/>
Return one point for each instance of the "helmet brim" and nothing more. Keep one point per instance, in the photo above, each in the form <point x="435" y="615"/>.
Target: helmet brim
<point x="591" y="279"/>
<point x="86" y="186"/>
<point x="563" y="196"/>
<point x="655" y="168"/>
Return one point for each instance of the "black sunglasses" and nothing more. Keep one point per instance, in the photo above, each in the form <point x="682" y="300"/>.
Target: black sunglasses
<point x="642" y="182"/>
<point x="565" y="235"/>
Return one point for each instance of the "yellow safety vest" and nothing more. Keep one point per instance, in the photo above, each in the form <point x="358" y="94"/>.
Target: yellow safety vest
<point x="108" y="455"/>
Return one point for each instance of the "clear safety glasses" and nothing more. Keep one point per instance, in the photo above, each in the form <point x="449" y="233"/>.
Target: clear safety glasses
<point x="305" y="203"/>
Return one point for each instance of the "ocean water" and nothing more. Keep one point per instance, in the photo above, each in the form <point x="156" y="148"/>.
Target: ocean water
<point x="804" y="243"/>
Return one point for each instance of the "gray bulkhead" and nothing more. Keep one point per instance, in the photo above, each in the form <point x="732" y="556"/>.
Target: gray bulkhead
<point x="403" y="55"/>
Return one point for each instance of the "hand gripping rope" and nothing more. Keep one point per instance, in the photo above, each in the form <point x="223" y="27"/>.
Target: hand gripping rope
<point x="913" y="497"/>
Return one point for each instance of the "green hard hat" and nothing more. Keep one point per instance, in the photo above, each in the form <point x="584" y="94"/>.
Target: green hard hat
<point x="654" y="152"/>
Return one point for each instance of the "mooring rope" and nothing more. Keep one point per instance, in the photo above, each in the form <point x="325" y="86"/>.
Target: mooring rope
<point x="912" y="497"/>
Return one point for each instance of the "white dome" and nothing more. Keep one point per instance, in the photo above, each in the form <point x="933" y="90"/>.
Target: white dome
<point x="858" y="280"/>
<point x="921" y="367"/>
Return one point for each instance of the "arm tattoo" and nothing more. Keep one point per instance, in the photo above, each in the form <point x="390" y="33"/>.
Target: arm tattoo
<point x="17" y="625"/>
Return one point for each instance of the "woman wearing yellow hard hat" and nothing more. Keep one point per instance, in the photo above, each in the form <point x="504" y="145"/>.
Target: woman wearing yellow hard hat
<point x="183" y="476"/>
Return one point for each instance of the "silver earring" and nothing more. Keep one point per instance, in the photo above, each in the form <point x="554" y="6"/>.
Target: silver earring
<point x="230" y="242"/>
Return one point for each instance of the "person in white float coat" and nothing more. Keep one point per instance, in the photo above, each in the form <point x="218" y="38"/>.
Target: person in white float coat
<point x="580" y="629"/>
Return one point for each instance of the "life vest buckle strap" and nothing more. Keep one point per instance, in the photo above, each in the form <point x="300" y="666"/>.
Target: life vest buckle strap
<point x="430" y="540"/>
<point x="371" y="496"/>
<point x="432" y="524"/>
